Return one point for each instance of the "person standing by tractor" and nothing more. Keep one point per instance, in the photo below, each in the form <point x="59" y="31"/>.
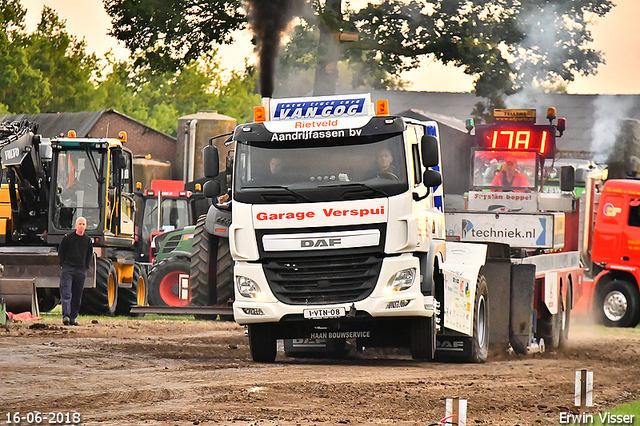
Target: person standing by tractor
<point x="75" y="253"/>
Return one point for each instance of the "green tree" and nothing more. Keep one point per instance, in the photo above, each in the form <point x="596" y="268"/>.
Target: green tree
<point x="158" y="99"/>
<point x="166" y="35"/>
<point x="21" y="86"/>
<point x="64" y="65"/>
<point x="238" y="96"/>
<point x="507" y="45"/>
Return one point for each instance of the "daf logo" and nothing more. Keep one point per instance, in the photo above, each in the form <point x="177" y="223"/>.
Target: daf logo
<point x="320" y="242"/>
<point x="455" y="345"/>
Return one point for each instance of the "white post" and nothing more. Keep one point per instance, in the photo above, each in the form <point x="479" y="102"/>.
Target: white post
<point x="457" y="408"/>
<point x="584" y="391"/>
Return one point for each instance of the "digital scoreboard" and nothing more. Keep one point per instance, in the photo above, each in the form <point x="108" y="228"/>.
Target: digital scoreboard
<point x="518" y="137"/>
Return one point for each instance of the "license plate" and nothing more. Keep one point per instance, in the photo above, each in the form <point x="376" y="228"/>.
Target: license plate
<point x="324" y="313"/>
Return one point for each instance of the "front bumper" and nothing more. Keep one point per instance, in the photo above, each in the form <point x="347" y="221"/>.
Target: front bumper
<point x="380" y="304"/>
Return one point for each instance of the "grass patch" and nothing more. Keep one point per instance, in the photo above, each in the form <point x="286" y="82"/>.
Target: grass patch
<point x="56" y="314"/>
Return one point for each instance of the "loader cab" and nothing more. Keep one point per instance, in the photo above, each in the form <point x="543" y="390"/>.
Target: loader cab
<point x="92" y="178"/>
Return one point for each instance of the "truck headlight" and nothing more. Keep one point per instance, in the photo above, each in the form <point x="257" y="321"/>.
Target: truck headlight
<point x="248" y="288"/>
<point x="401" y="280"/>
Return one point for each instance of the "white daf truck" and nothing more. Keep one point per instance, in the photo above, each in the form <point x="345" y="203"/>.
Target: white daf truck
<point x="338" y="233"/>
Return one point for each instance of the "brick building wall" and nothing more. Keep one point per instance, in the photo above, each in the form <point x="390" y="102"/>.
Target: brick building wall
<point x="141" y="139"/>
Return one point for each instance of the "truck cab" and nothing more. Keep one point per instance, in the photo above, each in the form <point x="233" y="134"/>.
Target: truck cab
<point x="337" y="223"/>
<point x="615" y="254"/>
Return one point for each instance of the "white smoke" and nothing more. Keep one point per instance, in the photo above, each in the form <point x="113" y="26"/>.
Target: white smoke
<point x="608" y="115"/>
<point x="539" y="53"/>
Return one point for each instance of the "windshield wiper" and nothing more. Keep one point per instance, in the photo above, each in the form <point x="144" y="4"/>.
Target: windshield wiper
<point x="354" y="185"/>
<point x="289" y="190"/>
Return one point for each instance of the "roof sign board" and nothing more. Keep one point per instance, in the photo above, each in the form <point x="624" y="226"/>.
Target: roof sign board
<point x="515" y="115"/>
<point x="320" y="107"/>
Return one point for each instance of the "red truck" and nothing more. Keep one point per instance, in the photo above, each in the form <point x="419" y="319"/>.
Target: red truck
<point x="611" y="249"/>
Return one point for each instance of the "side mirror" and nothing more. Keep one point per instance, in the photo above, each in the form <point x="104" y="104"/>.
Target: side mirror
<point x="429" y="151"/>
<point x="211" y="189"/>
<point x="567" y="178"/>
<point x="431" y="178"/>
<point x="119" y="159"/>
<point x="211" y="161"/>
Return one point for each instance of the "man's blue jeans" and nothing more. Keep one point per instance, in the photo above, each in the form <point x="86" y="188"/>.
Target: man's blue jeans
<point x="71" y="285"/>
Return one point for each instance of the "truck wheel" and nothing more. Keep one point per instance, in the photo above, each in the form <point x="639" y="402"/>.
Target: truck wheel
<point x="102" y="299"/>
<point x="206" y="248"/>
<point x="480" y="339"/>
<point x="423" y="338"/>
<point x="550" y="325"/>
<point x="618" y="304"/>
<point x="136" y="295"/>
<point x="262" y="343"/>
<point x="566" y="318"/>
<point x="164" y="286"/>
<point x="48" y="299"/>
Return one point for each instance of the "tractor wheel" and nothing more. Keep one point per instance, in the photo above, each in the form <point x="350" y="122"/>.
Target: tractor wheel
<point x="262" y="343"/>
<point x="205" y="249"/>
<point x="164" y="281"/>
<point x="480" y="339"/>
<point x="48" y="298"/>
<point x="136" y="295"/>
<point x="617" y="304"/>
<point x="102" y="299"/>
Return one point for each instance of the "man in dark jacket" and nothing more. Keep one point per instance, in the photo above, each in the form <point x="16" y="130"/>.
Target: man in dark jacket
<point x="75" y="254"/>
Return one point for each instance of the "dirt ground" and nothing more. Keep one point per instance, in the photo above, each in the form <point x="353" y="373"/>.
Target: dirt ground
<point x="139" y="372"/>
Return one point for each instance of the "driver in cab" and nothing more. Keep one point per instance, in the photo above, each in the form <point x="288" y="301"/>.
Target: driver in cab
<point x="509" y="177"/>
<point x="383" y="166"/>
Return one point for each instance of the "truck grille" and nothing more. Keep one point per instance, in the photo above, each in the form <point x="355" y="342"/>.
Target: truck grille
<point x="347" y="278"/>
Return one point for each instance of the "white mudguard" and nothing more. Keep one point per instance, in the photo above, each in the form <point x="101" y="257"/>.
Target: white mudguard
<point x="461" y="271"/>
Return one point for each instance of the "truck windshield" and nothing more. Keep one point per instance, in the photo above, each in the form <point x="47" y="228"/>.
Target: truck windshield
<point x="505" y="170"/>
<point x="323" y="170"/>
<point x="173" y="214"/>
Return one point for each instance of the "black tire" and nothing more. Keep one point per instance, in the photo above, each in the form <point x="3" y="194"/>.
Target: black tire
<point x="48" y="298"/>
<point x="204" y="290"/>
<point x="136" y="295"/>
<point x="163" y="283"/>
<point x="262" y="343"/>
<point x="550" y="325"/>
<point x="566" y="317"/>
<point x="480" y="339"/>
<point x="617" y="304"/>
<point x="423" y="338"/>
<point x="103" y="298"/>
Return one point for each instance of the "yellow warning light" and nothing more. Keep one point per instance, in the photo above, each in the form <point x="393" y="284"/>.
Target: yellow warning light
<point x="122" y="135"/>
<point x="198" y="187"/>
<point x="259" y="114"/>
<point x="551" y="113"/>
<point x="138" y="185"/>
<point x="382" y="107"/>
<point x="147" y="157"/>
<point x="71" y="134"/>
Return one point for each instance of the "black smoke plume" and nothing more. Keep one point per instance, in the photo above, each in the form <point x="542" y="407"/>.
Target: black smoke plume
<point x="269" y="20"/>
